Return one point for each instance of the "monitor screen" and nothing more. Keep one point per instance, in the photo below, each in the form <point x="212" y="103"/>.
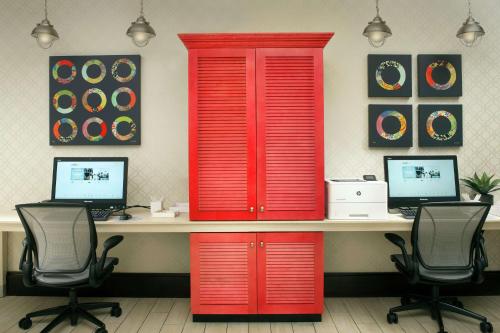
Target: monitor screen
<point x="90" y="180"/>
<point x="416" y="179"/>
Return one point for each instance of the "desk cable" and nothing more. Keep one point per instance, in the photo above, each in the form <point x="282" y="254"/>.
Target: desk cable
<point x="124" y="215"/>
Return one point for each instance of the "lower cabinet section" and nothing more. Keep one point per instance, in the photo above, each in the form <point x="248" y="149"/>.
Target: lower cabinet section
<point x="257" y="273"/>
<point x="223" y="273"/>
<point x="290" y="273"/>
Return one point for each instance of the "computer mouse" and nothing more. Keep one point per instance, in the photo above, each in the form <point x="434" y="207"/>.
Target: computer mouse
<point x="125" y="216"/>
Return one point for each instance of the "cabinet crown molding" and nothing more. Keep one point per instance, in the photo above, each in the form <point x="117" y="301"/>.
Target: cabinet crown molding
<point x="256" y="40"/>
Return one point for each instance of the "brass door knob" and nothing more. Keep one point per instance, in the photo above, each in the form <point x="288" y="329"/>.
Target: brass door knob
<point x="261" y="209"/>
<point x="251" y="209"/>
<point x="261" y="244"/>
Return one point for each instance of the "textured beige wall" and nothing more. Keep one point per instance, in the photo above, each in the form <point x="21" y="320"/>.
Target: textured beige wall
<point x="159" y="165"/>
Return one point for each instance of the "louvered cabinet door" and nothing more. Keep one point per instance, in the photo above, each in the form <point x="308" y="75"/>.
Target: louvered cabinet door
<point x="222" y="134"/>
<point x="290" y="273"/>
<point x="290" y="171"/>
<point x="223" y="273"/>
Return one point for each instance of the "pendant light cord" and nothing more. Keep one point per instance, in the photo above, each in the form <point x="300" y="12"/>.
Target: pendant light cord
<point x="376" y="5"/>
<point x="46" y="12"/>
<point x="142" y="7"/>
<point x="470" y="9"/>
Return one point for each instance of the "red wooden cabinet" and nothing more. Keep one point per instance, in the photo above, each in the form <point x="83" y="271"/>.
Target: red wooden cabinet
<point x="223" y="273"/>
<point x="290" y="273"/>
<point x="222" y="134"/>
<point x="290" y="167"/>
<point x="256" y="126"/>
<point x="257" y="273"/>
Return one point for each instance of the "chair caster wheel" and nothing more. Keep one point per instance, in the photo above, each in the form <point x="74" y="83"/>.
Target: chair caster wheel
<point x="116" y="311"/>
<point x="25" y="323"/>
<point x="405" y="300"/>
<point x="486" y="327"/>
<point x="392" y="318"/>
<point x="101" y="330"/>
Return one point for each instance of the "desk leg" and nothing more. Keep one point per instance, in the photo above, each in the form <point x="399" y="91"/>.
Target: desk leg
<point x="3" y="263"/>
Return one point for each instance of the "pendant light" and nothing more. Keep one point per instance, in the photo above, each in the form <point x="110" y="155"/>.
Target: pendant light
<point x="377" y="31"/>
<point x="44" y="32"/>
<point x="471" y="31"/>
<point x="140" y="31"/>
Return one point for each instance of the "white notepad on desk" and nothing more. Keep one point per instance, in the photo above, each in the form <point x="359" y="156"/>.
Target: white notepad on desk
<point x="165" y="213"/>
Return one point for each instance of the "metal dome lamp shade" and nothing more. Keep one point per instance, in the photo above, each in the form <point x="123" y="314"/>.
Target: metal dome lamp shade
<point x="44" y="32"/>
<point x="377" y="31"/>
<point x="471" y="32"/>
<point x="140" y="31"/>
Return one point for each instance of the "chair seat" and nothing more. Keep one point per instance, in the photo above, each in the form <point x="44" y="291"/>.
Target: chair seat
<point x="453" y="276"/>
<point x="71" y="279"/>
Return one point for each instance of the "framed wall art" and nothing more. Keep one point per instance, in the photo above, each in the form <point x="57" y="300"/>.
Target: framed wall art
<point x="439" y="75"/>
<point x="440" y="126"/>
<point x="390" y="126"/>
<point x="389" y="75"/>
<point x="95" y="100"/>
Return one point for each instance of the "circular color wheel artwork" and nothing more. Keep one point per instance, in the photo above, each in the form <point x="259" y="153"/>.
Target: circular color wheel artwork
<point x="430" y="129"/>
<point x="384" y="65"/>
<point x="64" y="63"/>
<point x="91" y="108"/>
<point x="434" y="84"/>
<point x="94" y="138"/>
<point x="55" y="101"/>
<point x="114" y="99"/>
<point x="123" y="137"/>
<point x="114" y="70"/>
<point x="97" y="79"/>
<point x="393" y="136"/>
<point x="57" y="134"/>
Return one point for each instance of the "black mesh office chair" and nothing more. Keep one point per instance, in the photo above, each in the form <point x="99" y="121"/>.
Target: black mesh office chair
<point x="60" y="252"/>
<point x="448" y="248"/>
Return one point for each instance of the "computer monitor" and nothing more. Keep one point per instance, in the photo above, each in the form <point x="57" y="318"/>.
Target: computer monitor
<point x="413" y="180"/>
<point x="101" y="182"/>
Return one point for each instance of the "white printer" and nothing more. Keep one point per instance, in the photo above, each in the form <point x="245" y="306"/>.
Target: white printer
<point x="356" y="199"/>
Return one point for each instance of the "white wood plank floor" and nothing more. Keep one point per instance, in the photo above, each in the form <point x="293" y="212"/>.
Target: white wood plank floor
<point x="165" y="315"/>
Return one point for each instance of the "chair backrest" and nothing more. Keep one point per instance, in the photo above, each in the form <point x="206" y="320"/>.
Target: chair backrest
<point x="62" y="235"/>
<point x="445" y="234"/>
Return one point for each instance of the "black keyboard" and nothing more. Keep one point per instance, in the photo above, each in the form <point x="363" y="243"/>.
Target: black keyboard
<point x="408" y="213"/>
<point x="100" y="214"/>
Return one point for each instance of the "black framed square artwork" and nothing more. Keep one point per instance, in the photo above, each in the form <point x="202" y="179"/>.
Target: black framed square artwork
<point x="440" y="125"/>
<point x="389" y="75"/>
<point x="95" y="100"/>
<point x="439" y="75"/>
<point x="390" y="126"/>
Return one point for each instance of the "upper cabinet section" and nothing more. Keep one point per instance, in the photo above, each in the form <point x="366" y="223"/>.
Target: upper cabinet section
<point x="256" y="126"/>
<point x="222" y="133"/>
<point x="290" y="158"/>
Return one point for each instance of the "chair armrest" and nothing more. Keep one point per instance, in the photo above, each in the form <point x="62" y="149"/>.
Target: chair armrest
<point x="108" y="244"/>
<point x="23" y="258"/>
<point x="481" y="251"/>
<point x="480" y="259"/>
<point x="400" y="242"/>
<point x="396" y="240"/>
<point x="26" y="264"/>
<point x="111" y="242"/>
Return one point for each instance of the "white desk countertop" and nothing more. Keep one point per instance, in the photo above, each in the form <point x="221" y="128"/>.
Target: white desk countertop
<point x="142" y="222"/>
